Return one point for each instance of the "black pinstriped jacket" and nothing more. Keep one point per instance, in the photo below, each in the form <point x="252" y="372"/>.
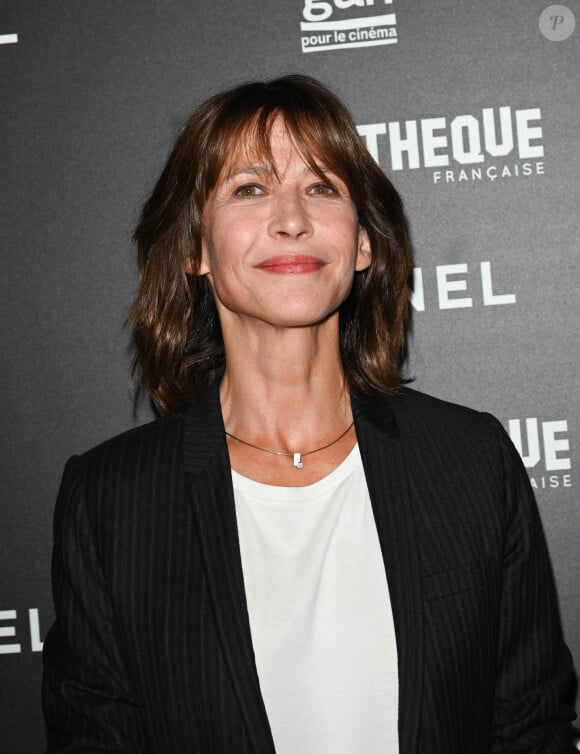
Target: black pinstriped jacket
<point x="151" y="649"/>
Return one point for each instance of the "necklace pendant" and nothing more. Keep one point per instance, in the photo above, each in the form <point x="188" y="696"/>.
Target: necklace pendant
<point x="297" y="462"/>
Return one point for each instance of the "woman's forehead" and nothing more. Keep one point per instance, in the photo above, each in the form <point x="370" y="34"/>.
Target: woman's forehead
<point x="257" y="148"/>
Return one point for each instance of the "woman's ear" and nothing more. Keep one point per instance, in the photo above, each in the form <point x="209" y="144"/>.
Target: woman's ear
<point x="203" y="263"/>
<point x="204" y="266"/>
<point x="363" y="253"/>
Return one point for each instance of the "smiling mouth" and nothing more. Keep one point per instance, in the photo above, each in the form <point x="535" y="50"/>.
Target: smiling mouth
<point x="291" y="264"/>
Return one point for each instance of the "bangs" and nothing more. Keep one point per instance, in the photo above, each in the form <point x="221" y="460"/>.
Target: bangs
<point x="245" y="138"/>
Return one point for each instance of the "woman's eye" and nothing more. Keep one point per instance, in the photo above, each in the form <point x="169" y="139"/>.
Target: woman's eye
<point x="323" y="189"/>
<point x="248" y="189"/>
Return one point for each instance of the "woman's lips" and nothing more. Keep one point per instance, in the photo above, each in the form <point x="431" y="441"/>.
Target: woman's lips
<point x="291" y="264"/>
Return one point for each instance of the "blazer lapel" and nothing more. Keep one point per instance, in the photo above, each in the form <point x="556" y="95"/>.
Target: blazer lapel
<point x="386" y="475"/>
<point x="206" y="464"/>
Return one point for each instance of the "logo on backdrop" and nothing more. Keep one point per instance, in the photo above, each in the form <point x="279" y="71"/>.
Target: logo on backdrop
<point x="545" y="450"/>
<point x="458" y="286"/>
<point x="8" y="39"/>
<point x="341" y="24"/>
<point x="19" y="631"/>
<point x="496" y="143"/>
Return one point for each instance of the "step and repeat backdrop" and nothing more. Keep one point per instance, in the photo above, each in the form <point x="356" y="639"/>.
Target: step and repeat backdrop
<point x="471" y="108"/>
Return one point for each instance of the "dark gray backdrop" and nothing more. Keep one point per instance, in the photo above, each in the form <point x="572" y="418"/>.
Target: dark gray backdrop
<point x="91" y="96"/>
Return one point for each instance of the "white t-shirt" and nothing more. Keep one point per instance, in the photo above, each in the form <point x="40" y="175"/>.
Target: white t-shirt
<point x="320" y="613"/>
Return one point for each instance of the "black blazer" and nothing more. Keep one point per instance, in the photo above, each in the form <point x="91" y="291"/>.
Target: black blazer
<point x="151" y="650"/>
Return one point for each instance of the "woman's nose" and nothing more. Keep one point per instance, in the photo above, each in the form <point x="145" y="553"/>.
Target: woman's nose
<point x="290" y="217"/>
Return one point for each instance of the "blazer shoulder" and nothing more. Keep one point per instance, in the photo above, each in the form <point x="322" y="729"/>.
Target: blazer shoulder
<point x="144" y="436"/>
<point x="121" y="482"/>
<point x="128" y="454"/>
<point x="412" y="405"/>
<point x="456" y="442"/>
<point x="143" y="461"/>
<point x="425" y="418"/>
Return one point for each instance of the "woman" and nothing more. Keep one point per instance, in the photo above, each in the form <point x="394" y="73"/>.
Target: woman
<point x="302" y="555"/>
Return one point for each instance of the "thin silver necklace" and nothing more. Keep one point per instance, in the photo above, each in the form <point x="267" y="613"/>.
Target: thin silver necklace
<point x="297" y="457"/>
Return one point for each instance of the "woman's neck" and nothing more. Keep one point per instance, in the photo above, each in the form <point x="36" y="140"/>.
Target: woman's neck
<point x="285" y="393"/>
<point x="286" y="384"/>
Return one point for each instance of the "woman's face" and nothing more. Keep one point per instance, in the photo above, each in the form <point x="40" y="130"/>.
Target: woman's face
<point x="280" y="249"/>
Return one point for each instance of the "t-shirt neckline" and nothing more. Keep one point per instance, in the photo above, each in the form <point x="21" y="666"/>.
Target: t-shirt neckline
<point x="255" y="489"/>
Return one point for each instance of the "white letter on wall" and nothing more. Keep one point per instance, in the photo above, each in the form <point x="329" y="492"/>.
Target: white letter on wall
<point x="445" y="286"/>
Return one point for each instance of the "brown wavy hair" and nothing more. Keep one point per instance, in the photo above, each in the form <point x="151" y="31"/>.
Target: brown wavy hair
<point x="177" y="333"/>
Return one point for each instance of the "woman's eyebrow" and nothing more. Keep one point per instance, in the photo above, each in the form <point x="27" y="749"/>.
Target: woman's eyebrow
<point x="249" y="170"/>
<point x="261" y="169"/>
